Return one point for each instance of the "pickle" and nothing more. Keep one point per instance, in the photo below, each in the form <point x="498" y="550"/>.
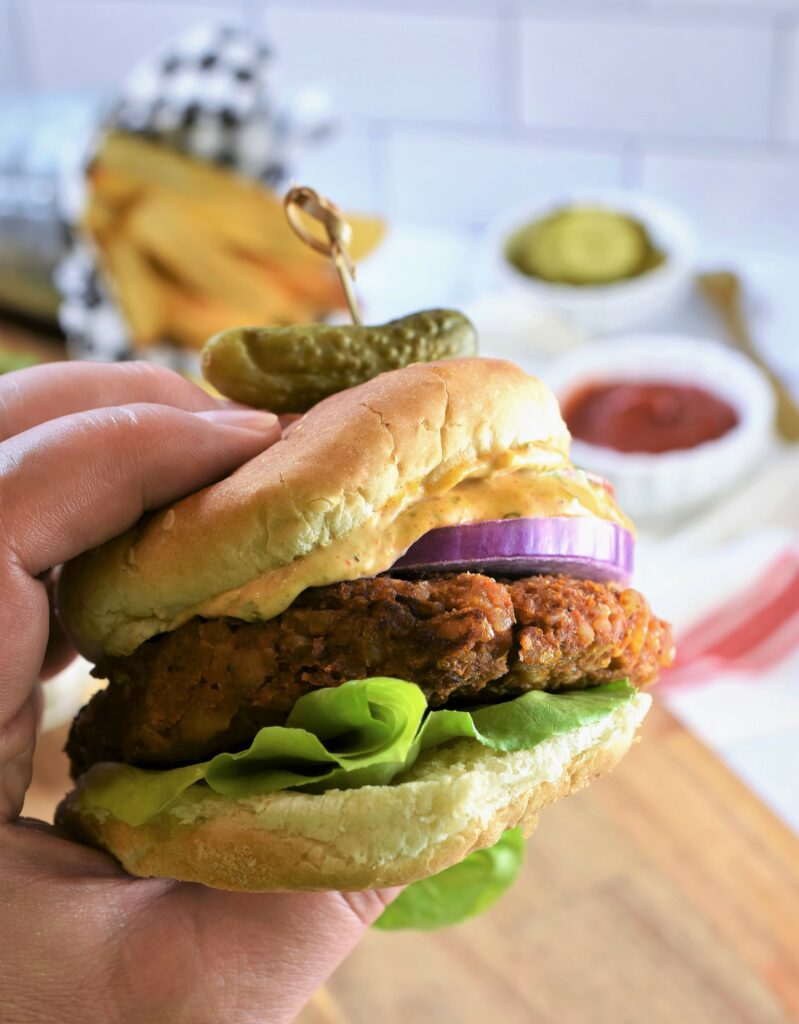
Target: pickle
<point x="583" y="246"/>
<point x="289" y="369"/>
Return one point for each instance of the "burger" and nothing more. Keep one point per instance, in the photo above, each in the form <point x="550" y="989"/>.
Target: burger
<point x="369" y="652"/>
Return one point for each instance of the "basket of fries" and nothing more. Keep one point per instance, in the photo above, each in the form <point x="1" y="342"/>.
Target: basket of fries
<point x="177" y="229"/>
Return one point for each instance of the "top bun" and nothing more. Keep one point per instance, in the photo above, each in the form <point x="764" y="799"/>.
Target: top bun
<point x="361" y="454"/>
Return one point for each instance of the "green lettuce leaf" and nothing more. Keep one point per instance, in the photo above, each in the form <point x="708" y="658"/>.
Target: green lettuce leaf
<point x="459" y="892"/>
<point x="134" y="795"/>
<point x="362" y="733"/>
<point x="525" y="721"/>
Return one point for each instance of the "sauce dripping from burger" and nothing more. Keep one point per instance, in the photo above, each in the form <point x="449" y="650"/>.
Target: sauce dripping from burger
<point x="647" y="416"/>
<point x="373" y="548"/>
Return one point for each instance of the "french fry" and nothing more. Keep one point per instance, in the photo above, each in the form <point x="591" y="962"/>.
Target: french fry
<point x="99" y="219"/>
<point x="138" y="288"/>
<point x="249" y="212"/>
<point x="192" y="248"/>
<point x="317" y="285"/>
<point x="260" y="229"/>
<point x="114" y="186"/>
<point x="278" y="247"/>
<point x="192" y="319"/>
<point x="158" y="229"/>
<point x="158" y="167"/>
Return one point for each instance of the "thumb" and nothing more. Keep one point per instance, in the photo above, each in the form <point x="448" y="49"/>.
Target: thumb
<point x="70" y="484"/>
<point x="81" y="479"/>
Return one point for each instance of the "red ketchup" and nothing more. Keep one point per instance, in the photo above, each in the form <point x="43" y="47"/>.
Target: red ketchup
<point x="647" y="416"/>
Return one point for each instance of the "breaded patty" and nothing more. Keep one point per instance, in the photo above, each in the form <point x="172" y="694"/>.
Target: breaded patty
<point x="209" y="685"/>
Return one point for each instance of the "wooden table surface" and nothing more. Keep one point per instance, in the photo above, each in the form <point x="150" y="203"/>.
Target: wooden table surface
<point x="666" y="893"/>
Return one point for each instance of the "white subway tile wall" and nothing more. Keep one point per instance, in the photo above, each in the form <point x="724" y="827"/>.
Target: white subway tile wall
<point x="739" y="200"/>
<point x="393" y="66"/>
<point x="446" y="176"/>
<point x="788" y="100"/>
<point x="452" y="110"/>
<point x="347" y="167"/>
<point x="8" y="62"/>
<point x="644" y="77"/>
<point x="81" y="44"/>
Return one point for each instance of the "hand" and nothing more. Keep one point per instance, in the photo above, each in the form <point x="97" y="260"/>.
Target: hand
<point x="84" y="450"/>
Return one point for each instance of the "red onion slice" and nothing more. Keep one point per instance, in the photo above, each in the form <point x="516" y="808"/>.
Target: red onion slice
<point x="587" y="548"/>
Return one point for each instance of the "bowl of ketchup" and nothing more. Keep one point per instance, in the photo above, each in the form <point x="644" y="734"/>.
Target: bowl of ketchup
<point x="646" y="415"/>
<point x="672" y="421"/>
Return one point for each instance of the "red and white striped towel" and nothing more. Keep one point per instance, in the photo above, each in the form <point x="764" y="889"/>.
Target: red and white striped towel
<point x="749" y="633"/>
<point x="730" y="585"/>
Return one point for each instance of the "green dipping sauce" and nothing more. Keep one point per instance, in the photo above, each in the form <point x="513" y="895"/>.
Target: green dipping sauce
<point x="583" y="245"/>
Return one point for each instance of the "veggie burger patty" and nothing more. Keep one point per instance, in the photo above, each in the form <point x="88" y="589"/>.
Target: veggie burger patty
<point x="210" y="685"/>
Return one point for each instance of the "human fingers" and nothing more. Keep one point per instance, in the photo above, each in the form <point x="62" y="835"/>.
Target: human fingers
<point x="66" y="486"/>
<point x="121" y="949"/>
<point x="33" y="396"/>
<point x="274" y="949"/>
<point x="72" y="483"/>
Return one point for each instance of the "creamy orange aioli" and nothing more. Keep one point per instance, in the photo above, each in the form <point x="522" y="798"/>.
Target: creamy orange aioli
<point x="372" y="549"/>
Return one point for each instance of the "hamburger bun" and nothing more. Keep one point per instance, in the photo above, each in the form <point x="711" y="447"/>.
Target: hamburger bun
<point x="245" y="547"/>
<point x="361" y="454"/>
<point x="454" y="800"/>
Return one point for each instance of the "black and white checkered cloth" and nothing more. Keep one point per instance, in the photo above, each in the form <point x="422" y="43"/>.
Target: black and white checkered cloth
<point x="209" y="94"/>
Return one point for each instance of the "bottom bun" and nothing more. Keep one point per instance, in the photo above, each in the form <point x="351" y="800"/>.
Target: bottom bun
<point x="455" y="799"/>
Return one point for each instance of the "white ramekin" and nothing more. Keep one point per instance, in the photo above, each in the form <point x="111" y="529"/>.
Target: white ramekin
<point x="654" y="488"/>
<point x="607" y="308"/>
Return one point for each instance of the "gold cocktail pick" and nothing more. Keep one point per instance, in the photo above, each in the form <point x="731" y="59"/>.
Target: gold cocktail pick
<point x="302" y="200"/>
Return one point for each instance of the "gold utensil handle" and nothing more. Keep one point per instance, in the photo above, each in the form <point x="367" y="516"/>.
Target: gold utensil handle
<point x="723" y="290"/>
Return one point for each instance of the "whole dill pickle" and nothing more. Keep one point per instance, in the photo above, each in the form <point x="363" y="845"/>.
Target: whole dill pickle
<point x="289" y="369"/>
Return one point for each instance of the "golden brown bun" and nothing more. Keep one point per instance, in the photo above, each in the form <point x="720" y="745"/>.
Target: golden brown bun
<point x="372" y="450"/>
<point x="455" y="799"/>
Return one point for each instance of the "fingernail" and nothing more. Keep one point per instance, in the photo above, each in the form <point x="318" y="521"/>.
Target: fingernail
<point x="246" y="419"/>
